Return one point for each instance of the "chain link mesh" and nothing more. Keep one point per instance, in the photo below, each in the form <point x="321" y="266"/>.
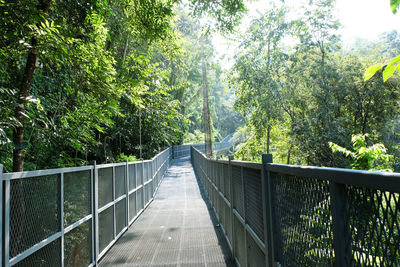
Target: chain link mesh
<point x="78" y="246"/>
<point x="49" y="255"/>
<point x="132" y="176"/>
<point x="132" y="206"/>
<point x="77" y="192"/>
<point x="238" y="199"/>
<point x="34" y="211"/>
<point x="106" y="227"/>
<point x="105" y="186"/>
<point x="227" y="182"/>
<point x="120" y="215"/>
<point x="255" y="255"/>
<point x="253" y="202"/>
<point x="302" y="220"/>
<point x="240" y="245"/>
<point x="120" y="182"/>
<point x="375" y="226"/>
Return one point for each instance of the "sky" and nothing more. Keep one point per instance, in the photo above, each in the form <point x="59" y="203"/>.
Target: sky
<point x="359" y="19"/>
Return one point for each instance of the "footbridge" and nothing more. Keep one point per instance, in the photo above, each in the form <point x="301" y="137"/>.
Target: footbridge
<point x="184" y="209"/>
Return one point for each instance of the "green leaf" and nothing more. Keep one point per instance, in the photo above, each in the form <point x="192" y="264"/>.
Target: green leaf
<point x="390" y="68"/>
<point x="388" y="72"/>
<point x="395" y="59"/>
<point x="394" y="5"/>
<point x="371" y="71"/>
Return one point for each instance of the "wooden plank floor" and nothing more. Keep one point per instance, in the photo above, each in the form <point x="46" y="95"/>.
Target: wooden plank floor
<point x="177" y="229"/>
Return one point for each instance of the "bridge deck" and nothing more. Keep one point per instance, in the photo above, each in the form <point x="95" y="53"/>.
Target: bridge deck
<point x="177" y="229"/>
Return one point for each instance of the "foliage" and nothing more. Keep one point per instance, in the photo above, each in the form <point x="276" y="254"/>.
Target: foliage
<point x="365" y="157"/>
<point x="297" y="96"/>
<point x="390" y="68"/>
<point x="122" y="158"/>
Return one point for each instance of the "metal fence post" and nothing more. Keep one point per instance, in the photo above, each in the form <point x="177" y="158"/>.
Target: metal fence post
<point x="340" y="224"/>
<point x="6" y="220"/>
<point x="266" y="198"/>
<point x="114" y="204"/>
<point x="143" y="189"/>
<point x="61" y="188"/>
<point x="127" y="192"/>
<point x="230" y="158"/>
<point x="2" y="216"/>
<point x="95" y="192"/>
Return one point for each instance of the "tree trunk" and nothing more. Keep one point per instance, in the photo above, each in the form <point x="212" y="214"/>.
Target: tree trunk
<point x="206" y="109"/>
<point x="18" y="135"/>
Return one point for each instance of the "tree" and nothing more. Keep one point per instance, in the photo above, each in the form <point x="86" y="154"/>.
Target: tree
<point x="18" y="135"/>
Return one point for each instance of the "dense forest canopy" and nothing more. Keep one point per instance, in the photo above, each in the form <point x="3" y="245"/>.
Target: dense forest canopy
<point x="123" y="79"/>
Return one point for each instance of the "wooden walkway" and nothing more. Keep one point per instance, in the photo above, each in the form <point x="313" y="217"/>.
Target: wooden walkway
<point x="177" y="229"/>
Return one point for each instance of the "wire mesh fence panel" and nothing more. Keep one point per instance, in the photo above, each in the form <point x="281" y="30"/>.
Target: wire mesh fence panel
<point x="132" y="176"/>
<point x="375" y="226"/>
<point x="227" y="183"/>
<point x="105" y="193"/>
<point x="34" y="211"/>
<point x="139" y="174"/>
<point x="120" y="182"/>
<point x="238" y="199"/>
<point x="132" y="206"/>
<point x="77" y="192"/>
<point x="120" y="216"/>
<point x="145" y="172"/>
<point x="222" y="210"/>
<point x="240" y="245"/>
<point x="106" y="227"/>
<point x="302" y="209"/>
<point x="228" y="222"/>
<point x="77" y="246"/>
<point x="139" y="199"/>
<point x="253" y="200"/>
<point x="255" y="255"/>
<point x="222" y="178"/>
<point x="49" y="255"/>
<point x="146" y="194"/>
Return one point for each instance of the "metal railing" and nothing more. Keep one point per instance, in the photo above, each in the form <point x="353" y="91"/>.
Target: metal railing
<point x="181" y="151"/>
<point x="283" y="215"/>
<point x="72" y="216"/>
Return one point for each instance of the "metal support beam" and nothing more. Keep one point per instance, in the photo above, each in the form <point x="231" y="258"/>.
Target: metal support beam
<point x="341" y="225"/>
<point x="232" y="215"/>
<point x="95" y="194"/>
<point x="266" y="198"/>
<point x="2" y="216"/>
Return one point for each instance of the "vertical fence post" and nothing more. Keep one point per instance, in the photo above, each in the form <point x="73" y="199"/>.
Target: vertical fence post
<point x="246" y="260"/>
<point x="230" y="158"/>
<point x="143" y="190"/>
<point x="266" y="198"/>
<point x="95" y="197"/>
<point x="61" y="188"/>
<point x="2" y="215"/>
<point x="114" y="204"/>
<point x="6" y="220"/>
<point x="340" y="224"/>
<point x="127" y="192"/>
